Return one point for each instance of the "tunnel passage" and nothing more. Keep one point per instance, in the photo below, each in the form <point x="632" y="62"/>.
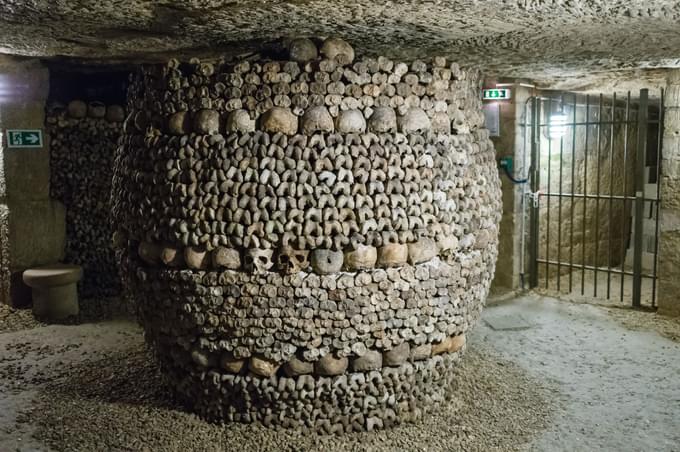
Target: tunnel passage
<point x="84" y="121"/>
<point x="308" y="240"/>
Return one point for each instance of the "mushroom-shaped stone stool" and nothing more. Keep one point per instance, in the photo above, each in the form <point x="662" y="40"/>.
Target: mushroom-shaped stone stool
<point x="55" y="295"/>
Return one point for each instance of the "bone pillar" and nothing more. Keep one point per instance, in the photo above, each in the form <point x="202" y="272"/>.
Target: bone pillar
<point x="336" y="223"/>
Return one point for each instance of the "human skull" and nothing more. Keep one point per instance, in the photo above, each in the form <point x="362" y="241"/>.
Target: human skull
<point x="279" y="119"/>
<point x="383" y="119"/>
<point x="415" y="120"/>
<point x="350" y="121"/>
<point x="302" y="50"/>
<point x="334" y="47"/>
<point x="290" y="260"/>
<point x="178" y="123"/>
<point x="317" y="119"/>
<point x="258" y="260"/>
<point x="441" y="123"/>
<point x="325" y="261"/>
<point x="362" y="258"/>
<point x="207" y="122"/>
<point x="96" y="110"/>
<point x="115" y="113"/>
<point x="77" y="109"/>
<point x="239" y="121"/>
<point x="229" y="258"/>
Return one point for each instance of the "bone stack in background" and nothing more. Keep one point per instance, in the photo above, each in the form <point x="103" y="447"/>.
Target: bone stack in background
<point x="308" y="240"/>
<point x="83" y="140"/>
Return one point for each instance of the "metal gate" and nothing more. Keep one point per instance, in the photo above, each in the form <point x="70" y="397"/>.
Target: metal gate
<point x="594" y="199"/>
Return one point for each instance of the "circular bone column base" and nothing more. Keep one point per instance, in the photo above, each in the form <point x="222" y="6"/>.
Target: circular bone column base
<point x="367" y="383"/>
<point x="350" y="402"/>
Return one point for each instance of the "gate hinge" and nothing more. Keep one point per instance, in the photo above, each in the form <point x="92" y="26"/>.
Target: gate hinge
<point x="533" y="197"/>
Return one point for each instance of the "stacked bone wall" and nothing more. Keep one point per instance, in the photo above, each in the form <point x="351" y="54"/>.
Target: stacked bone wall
<point x="83" y="141"/>
<point x="308" y="240"/>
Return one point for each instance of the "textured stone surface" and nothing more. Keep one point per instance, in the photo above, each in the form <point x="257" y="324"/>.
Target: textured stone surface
<point x="398" y="355"/>
<point x="295" y="200"/>
<point x="422" y="251"/>
<point x="83" y="139"/>
<point x="302" y="49"/>
<point x="362" y="258"/>
<point x="172" y="256"/>
<point x="392" y="254"/>
<point x="543" y="40"/>
<point x="330" y="365"/>
<point x="371" y="360"/>
<point x="32" y="226"/>
<point x="226" y="258"/>
<point x="149" y="252"/>
<point x="669" y="236"/>
<point x="280" y="120"/>
<point x="239" y="121"/>
<point x="326" y="261"/>
<point x="231" y="364"/>
<point x="296" y="366"/>
<point x="262" y="366"/>
<point x="316" y="119"/>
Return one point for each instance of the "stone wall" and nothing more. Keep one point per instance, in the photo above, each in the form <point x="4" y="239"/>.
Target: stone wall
<point x="83" y="141"/>
<point x="669" y="220"/>
<point x="308" y="238"/>
<point x="511" y="143"/>
<point x="31" y="223"/>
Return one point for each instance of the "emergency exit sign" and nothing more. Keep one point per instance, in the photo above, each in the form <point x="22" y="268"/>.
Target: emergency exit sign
<point x="29" y="138"/>
<point x="496" y="94"/>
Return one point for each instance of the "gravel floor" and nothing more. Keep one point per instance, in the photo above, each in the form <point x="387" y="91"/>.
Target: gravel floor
<point x="668" y="327"/>
<point x="557" y="377"/>
<point x="99" y="391"/>
<point x="16" y="319"/>
<point x="91" y="310"/>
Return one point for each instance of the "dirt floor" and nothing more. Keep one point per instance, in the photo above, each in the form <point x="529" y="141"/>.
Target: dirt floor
<point x="540" y="375"/>
<point x="617" y="371"/>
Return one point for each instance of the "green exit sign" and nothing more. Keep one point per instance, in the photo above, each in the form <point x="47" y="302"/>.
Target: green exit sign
<point x="24" y="138"/>
<point x="496" y="94"/>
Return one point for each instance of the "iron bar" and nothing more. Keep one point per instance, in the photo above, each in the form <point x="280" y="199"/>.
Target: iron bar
<point x="571" y="209"/>
<point x="611" y="192"/>
<point x="547" y="214"/>
<point x="595" y="123"/>
<point x="626" y="219"/>
<point x="659" y="149"/>
<point x="602" y="269"/>
<point x="639" y="193"/>
<point x="597" y="190"/>
<point x="526" y="132"/>
<point x="596" y="196"/>
<point x="559" y="206"/>
<point x="533" y="207"/>
<point x="585" y="191"/>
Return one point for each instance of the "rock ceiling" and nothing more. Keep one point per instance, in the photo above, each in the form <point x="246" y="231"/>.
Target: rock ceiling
<point x="566" y="43"/>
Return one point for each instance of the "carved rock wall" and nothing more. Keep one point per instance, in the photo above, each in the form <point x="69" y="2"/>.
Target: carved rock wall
<point x="309" y="240"/>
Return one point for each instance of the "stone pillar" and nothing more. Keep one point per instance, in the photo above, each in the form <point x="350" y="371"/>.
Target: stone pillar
<point x="510" y="143"/>
<point x="32" y="227"/>
<point x="669" y="227"/>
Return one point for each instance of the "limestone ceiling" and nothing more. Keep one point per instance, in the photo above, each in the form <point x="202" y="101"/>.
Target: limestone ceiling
<point x="566" y="43"/>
